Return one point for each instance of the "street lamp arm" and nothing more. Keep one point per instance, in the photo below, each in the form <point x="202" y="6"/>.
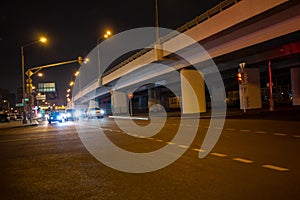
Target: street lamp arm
<point x="34" y="70"/>
<point x="31" y="43"/>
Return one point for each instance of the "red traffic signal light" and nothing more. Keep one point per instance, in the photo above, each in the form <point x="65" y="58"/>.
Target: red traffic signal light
<point x="239" y="78"/>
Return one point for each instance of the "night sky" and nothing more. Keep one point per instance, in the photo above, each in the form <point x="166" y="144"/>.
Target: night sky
<point x="72" y="29"/>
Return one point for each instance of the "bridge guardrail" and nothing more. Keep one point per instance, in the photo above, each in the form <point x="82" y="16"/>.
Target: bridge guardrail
<point x="199" y="19"/>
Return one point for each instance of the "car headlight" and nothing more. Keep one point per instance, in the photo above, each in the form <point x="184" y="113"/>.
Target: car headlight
<point x="102" y="112"/>
<point x="59" y="117"/>
<point x="68" y="114"/>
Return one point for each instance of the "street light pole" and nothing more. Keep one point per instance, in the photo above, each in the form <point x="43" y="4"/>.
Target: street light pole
<point x="156" y="22"/>
<point x="271" y="86"/>
<point x="157" y="46"/>
<point x="106" y="35"/>
<point x="23" y="86"/>
<point x="43" y="40"/>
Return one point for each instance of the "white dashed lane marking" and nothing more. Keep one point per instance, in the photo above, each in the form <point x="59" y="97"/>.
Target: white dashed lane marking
<point x="218" y="154"/>
<point x="245" y="130"/>
<point x="170" y="142"/>
<point x="243" y="160"/>
<point x="275" y="168"/>
<point x="199" y="150"/>
<point x="260" y="132"/>
<point x="183" y="146"/>
<point x="231" y="129"/>
<point x="280" y="134"/>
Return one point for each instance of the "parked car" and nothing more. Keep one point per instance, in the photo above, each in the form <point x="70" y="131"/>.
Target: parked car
<point x="56" y="116"/>
<point x="95" y="112"/>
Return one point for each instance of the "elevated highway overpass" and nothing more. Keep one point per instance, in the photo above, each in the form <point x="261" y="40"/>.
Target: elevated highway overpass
<point x="250" y="31"/>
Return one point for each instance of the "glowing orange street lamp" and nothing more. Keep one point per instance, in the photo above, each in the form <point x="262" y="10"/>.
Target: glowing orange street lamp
<point x="107" y="34"/>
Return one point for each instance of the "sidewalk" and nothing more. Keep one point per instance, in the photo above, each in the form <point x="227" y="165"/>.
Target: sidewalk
<point x="17" y="124"/>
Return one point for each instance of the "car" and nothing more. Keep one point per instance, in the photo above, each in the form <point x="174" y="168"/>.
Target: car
<point x="19" y="117"/>
<point x="12" y="116"/>
<point x="74" y="114"/>
<point x="95" y="112"/>
<point x="56" y="116"/>
<point x="70" y="114"/>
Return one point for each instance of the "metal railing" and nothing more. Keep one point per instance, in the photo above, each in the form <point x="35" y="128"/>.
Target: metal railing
<point x="190" y="24"/>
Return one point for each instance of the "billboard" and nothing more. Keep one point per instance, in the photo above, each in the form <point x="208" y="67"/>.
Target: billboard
<point x="46" y="87"/>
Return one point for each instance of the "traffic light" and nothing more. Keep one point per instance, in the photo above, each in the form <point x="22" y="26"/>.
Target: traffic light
<point x="80" y="60"/>
<point x="242" y="78"/>
<point x="239" y="78"/>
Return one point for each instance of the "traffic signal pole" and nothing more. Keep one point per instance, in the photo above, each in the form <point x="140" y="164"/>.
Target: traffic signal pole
<point x="34" y="70"/>
<point x="243" y="82"/>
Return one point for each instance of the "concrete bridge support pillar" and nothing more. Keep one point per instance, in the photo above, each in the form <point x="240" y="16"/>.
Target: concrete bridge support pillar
<point x="193" y="91"/>
<point x="154" y="98"/>
<point x="295" y="79"/>
<point x="119" y="102"/>
<point x="250" y="94"/>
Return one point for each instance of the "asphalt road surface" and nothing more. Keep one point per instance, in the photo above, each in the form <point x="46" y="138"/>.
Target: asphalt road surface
<point x="255" y="158"/>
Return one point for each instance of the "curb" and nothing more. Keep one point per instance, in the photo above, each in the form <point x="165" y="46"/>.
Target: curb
<point x="19" y="126"/>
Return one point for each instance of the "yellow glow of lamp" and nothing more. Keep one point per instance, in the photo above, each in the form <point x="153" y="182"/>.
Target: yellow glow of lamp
<point x="107" y="34"/>
<point x="43" y="39"/>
